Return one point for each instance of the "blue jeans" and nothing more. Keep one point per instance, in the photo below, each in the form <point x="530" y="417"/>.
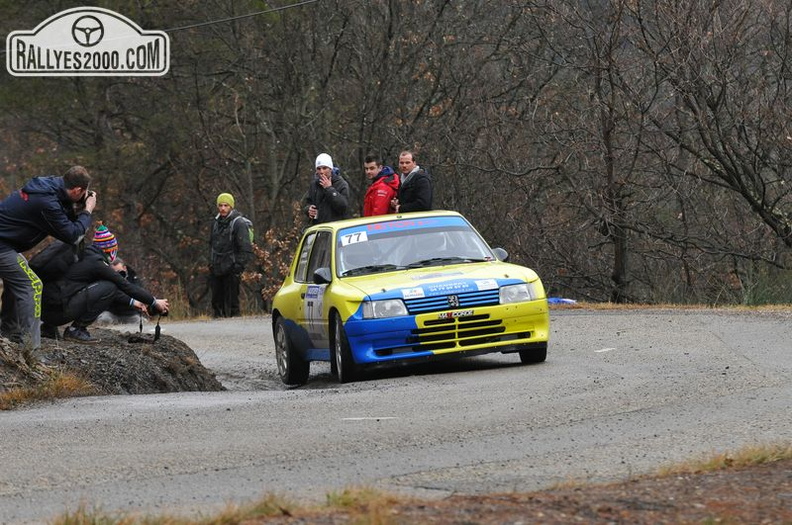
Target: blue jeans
<point x="20" y="313"/>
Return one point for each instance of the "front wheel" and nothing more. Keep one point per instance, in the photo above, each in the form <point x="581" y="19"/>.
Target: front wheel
<point x="537" y="353"/>
<point x="292" y="369"/>
<point x="345" y="366"/>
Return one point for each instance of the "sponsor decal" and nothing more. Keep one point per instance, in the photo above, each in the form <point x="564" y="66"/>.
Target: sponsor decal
<point x="454" y="315"/>
<point x="314" y="291"/>
<point x="413" y="293"/>
<point x="401" y="225"/>
<point x="487" y="284"/>
<point x="87" y="41"/>
<point x="448" y="288"/>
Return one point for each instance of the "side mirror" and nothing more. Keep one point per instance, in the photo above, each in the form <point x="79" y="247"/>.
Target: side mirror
<point x="501" y="254"/>
<point x="323" y="275"/>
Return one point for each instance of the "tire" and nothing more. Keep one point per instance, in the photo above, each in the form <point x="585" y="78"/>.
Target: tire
<point x="292" y="369"/>
<point x="346" y="369"/>
<point x="535" y="354"/>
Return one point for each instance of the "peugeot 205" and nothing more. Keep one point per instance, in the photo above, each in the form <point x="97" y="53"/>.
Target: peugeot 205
<point x="397" y="289"/>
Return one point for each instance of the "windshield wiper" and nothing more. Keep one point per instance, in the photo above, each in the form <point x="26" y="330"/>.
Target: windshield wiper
<point x="437" y="261"/>
<point x="372" y="268"/>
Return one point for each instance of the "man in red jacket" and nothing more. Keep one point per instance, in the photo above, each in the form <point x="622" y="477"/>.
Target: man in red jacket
<point x="383" y="188"/>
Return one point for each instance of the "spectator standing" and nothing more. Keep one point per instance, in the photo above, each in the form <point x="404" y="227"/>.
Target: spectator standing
<point x="231" y="245"/>
<point x="327" y="198"/>
<point x="415" y="189"/>
<point x="89" y="287"/>
<point x="383" y="187"/>
<point x="56" y="206"/>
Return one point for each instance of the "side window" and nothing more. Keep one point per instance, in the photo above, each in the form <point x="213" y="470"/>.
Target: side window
<point x="302" y="265"/>
<point x="320" y="255"/>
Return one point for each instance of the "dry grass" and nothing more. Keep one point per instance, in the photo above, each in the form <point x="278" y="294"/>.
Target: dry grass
<point x="57" y="385"/>
<point x="361" y="506"/>
<point x="365" y="506"/>
<point x="745" y="457"/>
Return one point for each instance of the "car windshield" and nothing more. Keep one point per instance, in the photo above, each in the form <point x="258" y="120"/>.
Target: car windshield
<point x="406" y="244"/>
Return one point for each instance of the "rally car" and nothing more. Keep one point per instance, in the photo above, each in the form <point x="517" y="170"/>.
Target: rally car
<point x="396" y="289"/>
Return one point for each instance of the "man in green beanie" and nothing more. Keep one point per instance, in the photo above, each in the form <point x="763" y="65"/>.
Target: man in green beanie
<point x="230" y="251"/>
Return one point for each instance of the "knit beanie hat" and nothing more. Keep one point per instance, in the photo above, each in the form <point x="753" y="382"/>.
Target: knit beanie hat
<point x="225" y="198"/>
<point x="106" y="241"/>
<point x="324" y="160"/>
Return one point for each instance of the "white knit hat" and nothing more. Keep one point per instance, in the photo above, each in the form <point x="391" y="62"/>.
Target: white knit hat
<point x="324" y="160"/>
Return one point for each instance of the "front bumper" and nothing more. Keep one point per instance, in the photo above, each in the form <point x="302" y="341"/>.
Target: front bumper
<point x="450" y="333"/>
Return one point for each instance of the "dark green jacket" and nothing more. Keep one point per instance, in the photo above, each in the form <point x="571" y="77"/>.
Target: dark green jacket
<point x="230" y="244"/>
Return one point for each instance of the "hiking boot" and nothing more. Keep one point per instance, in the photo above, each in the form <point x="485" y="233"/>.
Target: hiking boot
<point x="78" y="335"/>
<point x="50" y="331"/>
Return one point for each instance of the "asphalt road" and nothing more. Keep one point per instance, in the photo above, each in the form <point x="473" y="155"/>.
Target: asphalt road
<point x="622" y="393"/>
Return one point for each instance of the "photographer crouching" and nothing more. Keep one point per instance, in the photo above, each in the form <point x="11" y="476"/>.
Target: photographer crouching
<point x="88" y="287"/>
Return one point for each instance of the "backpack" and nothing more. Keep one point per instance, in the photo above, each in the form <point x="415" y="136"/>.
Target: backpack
<point x="247" y="222"/>
<point x="51" y="263"/>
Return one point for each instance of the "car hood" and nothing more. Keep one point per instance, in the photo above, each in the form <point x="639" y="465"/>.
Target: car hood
<point x="441" y="280"/>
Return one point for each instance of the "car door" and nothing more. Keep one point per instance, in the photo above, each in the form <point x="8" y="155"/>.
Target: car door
<point x="312" y="293"/>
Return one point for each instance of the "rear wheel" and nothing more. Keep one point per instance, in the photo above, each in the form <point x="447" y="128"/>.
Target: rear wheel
<point x="345" y="366"/>
<point x="535" y="354"/>
<point x="292" y="369"/>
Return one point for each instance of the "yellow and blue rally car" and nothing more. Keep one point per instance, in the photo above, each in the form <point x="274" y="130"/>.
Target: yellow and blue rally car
<point x="395" y="289"/>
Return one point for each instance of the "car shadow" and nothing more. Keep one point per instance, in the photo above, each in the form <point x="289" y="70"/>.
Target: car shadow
<point x="321" y="378"/>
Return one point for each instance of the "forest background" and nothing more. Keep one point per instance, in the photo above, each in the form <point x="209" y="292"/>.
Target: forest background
<point x="627" y="150"/>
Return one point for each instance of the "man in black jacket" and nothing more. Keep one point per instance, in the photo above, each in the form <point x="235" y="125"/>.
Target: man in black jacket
<point x="44" y="206"/>
<point x="231" y="249"/>
<point x="415" y="190"/>
<point x="88" y="287"/>
<point x="327" y="198"/>
<point x="121" y="312"/>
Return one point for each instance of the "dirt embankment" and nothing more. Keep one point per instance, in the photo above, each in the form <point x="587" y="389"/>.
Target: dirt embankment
<point x="119" y="363"/>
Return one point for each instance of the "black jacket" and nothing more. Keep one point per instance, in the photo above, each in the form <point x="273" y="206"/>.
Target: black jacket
<point x="415" y="192"/>
<point x="230" y="244"/>
<point x="51" y="263"/>
<point x="331" y="203"/>
<point x="41" y="208"/>
<point x="89" y="269"/>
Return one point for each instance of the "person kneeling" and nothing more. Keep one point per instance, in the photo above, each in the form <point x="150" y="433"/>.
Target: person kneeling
<point x="89" y="287"/>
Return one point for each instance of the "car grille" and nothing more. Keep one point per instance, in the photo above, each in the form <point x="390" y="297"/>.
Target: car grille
<point x="455" y="333"/>
<point x="452" y="302"/>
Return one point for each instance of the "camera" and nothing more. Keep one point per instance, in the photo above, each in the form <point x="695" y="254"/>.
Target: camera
<point x="80" y="205"/>
<point x="153" y="311"/>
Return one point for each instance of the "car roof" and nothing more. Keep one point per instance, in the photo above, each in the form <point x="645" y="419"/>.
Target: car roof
<point x="360" y="221"/>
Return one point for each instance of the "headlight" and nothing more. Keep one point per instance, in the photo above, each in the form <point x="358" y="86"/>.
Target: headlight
<point x="382" y="309"/>
<point x="518" y="293"/>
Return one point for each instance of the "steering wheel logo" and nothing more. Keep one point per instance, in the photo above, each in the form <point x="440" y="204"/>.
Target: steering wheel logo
<point x="87" y="31"/>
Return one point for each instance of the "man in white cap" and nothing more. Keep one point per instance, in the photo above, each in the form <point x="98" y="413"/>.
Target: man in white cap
<point x="327" y="199"/>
